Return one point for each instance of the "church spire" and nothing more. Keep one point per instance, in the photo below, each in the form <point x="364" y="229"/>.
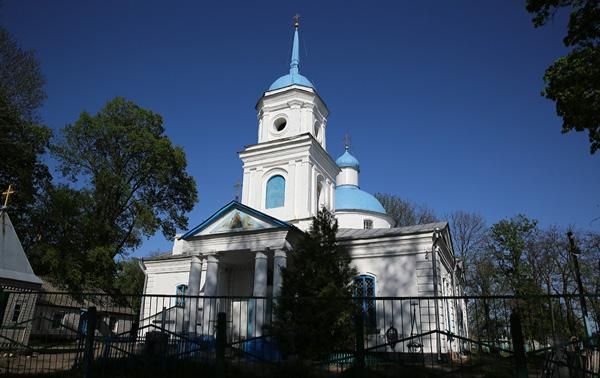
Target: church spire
<point x="295" y="61"/>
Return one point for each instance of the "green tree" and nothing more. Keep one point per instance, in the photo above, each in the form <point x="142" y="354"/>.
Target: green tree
<point x="314" y="315"/>
<point x="130" y="181"/>
<point x="512" y="242"/>
<point x="64" y="251"/>
<point x="130" y="277"/>
<point x="573" y="81"/>
<point x="136" y="177"/>
<point x="404" y="212"/>
<point x="22" y="140"/>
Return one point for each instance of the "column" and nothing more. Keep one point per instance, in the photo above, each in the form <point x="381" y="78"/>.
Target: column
<point x="279" y="262"/>
<point x="193" y="291"/>
<point x="260" y="290"/>
<point x="209" y="315"/>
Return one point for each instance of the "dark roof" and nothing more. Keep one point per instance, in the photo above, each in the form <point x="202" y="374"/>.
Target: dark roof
<point x="353" y="233"/>
<point x="55" y="295"/>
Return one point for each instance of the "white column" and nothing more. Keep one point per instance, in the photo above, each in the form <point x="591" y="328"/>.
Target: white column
<point x="260" y="290"/>
<point x="279" y="262"/>
<point x="193" y="290"/>
<point x="209" y="315"/>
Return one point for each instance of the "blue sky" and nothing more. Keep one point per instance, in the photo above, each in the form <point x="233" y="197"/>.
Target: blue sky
<point x="441" y="99"/>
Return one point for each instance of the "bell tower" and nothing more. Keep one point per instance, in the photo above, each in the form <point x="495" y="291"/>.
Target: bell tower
<point x="288" y="174"/>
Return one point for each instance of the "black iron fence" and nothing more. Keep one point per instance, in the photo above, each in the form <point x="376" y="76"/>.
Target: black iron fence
<point x="86" y="334"/>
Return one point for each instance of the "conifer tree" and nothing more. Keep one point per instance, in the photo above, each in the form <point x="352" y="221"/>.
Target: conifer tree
<point x="314" y="315"/>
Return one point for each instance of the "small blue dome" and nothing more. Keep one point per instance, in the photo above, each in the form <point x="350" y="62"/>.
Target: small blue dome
<point x="350" y="197"/>
<point x="290" y="79"/>
<point x="347" y="161"/>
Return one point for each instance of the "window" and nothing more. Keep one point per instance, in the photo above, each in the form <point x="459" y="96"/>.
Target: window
<point x="16" y="312"/>
<point x="364" y="289"/>
<point x="280" y="124"/>
<point x="320" y="193"/>
<point x="180" y="295"/>
<point x="368" y="224"/>
<point x="57" y="318"/>
<point x="275" y="192"/>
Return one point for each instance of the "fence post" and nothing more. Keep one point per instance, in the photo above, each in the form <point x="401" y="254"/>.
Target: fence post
<point x="360" y="339"/>
<point x="220" y="341"/>
<point x="88" y="352"/>
<point x="518" y="342"/>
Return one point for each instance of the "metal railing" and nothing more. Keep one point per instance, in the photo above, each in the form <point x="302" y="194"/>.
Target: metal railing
<point x="81" y="333"/>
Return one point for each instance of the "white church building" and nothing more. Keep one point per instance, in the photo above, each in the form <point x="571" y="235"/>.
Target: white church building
<point x="288" y="175"/>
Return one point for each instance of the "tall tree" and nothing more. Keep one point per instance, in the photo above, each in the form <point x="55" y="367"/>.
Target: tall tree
<point x="573" y="81"/>
<point x="22" y="140"/>
<point x="136" y="177"/>
<point x="130" y="182"/>
<point x="468" y="236"/>
<point x="512" y="241"/>
<point x="404" y="212"/>
<point x="314" y="314"/>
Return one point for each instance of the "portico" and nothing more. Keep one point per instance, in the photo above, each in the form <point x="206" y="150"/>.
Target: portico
<point x="237" y="253"/>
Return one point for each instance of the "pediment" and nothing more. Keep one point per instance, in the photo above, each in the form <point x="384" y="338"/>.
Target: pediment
<point x="235" y="217"/>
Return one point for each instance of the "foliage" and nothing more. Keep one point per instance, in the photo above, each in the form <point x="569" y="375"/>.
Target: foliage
<point x="404" y="212"/>
<point x="314" y="314"/>
<point x="512" y="242"/>
<point x="135" y="176"/>
<point x="21" y="81"/>
<point x="129" y="180"/>
<point x="63" y="251"/>
<point x="130" y="277"/>
<point x="573" y="81"/>
<point x="22" y="140"/>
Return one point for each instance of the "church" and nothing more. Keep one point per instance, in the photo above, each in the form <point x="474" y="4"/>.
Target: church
<point x="234" y="258"/>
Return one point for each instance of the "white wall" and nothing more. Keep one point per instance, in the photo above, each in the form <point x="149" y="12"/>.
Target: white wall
<point x="302" y="108"/>
<point x="355" y="219"/>
<point x="303" y="163"/>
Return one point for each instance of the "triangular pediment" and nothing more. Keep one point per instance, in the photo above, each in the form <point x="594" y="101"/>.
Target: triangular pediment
<point x="235" y="217"/>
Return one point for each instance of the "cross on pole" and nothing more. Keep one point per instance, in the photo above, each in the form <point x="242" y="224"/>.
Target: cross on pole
<point x="7" y="194"/>
<point x="347" y="141"/>
<point x="237" y="186"/>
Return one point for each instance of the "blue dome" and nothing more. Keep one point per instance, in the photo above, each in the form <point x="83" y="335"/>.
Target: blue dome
<point x="350" y="197"/>
<point x="290" y="79"/>
<point x="347" y="161"/>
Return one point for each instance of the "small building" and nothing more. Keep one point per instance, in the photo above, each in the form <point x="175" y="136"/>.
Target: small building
<point x="58" y="314"/>
<point x="18" y="286"/>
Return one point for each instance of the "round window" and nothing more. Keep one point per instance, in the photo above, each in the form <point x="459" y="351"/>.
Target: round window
<point x="280" y="124"/>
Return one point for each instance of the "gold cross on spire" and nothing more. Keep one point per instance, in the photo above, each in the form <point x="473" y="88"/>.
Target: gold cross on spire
<point x="7" y="194"/>
<point x="237" y="187"/>
<point x="296" y="20"/>
<point x="347" y="141"/>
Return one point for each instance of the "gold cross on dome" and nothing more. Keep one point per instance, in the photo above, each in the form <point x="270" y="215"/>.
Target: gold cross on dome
<point x="347" y="141"/>
<point x="296" y="20"/>
<point x="237" y="186"/>
<point x="7" y="194"/>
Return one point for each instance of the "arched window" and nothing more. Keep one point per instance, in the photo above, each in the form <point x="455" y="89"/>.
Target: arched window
<point x="275" y="192"/>
<point x="364" y="290"/>
<point x="180" y="292"/>
<point x="320" y="194"/>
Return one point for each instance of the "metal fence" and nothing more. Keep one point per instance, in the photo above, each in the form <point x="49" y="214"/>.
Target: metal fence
<point x="87" y="334"/>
